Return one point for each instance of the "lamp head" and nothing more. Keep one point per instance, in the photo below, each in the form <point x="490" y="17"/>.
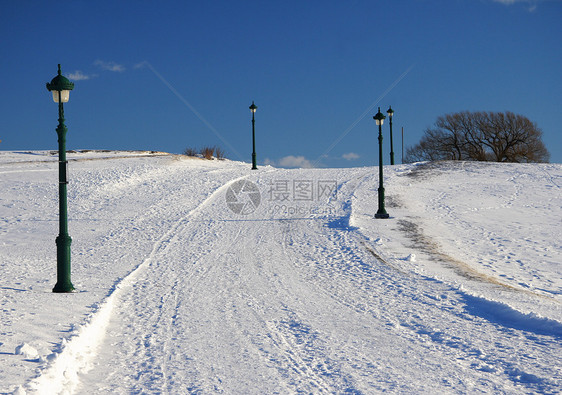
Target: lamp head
<point x="60" y="84"/>
<point x="253" y="107"/>
<point x="390" y="112"/>
<point x="379" y="118"/>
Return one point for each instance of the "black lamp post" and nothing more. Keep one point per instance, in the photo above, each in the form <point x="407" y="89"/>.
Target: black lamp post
<point x="381" y="213"/>
<point x="60" y="86"/>
<point x="253" y="109"/>
<point x="390" y="113"/>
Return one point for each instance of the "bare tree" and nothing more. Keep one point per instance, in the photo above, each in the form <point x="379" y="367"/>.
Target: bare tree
<point x="511" y="138"/>
<point x="481" y="136"/>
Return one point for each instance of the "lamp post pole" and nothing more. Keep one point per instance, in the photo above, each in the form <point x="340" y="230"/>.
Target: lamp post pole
<point x="402" y="145"/>
<point x="253" y="109"/>
<point x="390" y="113"/>
<point x="60" y="87"/>
<point x="381" y="213"/>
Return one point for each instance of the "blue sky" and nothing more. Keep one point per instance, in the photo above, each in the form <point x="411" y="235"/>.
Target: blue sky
<point x="169" y="75"/>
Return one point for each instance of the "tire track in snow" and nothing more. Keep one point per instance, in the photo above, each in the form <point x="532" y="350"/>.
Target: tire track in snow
<point x="164" y="315"/>
<point x="149" y="322"/>
<point x="292" y="336"/>
<point x="197" y="228"/>
<point x="61" y="375"/>
<point x="286" y="350"/>
<point x="298" y="348"/>
<point x="189" y="280"/>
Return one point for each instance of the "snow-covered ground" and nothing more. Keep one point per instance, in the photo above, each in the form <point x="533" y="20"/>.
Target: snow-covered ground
<point x="198" y="276"/>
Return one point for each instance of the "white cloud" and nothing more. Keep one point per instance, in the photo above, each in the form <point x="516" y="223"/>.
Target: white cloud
<point x="350" y="156"/>
<point x="109" y="66"/>
<point x="532" y="4"/>
<point x="510" y="2"/>
<point x="295" y="161"/>
<point x="80" y="76"/>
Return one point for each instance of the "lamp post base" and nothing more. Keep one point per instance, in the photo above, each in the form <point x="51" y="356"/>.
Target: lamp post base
<point x="63" y="284"/>
<point x="381" y="212"/>
<point x="254" y="166"/>
<point x="64" y="288"/>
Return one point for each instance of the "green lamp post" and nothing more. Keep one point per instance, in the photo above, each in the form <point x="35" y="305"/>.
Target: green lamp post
<point x="381" y="213"/>
<point x="253" y="109"/>
<point x="390" y="113"/>
<point x="60" y="86"/>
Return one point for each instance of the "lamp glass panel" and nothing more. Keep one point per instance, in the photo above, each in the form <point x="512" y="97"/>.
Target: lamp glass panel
<point x="64" y="95"/>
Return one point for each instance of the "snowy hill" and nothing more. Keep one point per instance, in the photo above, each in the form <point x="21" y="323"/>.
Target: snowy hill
<point x="198" y="276"/>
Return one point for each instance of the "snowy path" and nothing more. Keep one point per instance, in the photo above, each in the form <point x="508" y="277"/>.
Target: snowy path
<point x="180" y="294"/>
<point x="261" y="304"/>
